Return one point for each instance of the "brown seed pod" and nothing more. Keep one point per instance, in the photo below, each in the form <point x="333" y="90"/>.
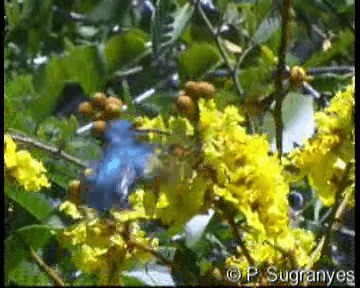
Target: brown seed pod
<point x="297" y="76"/>
<point x="113" y="100"/>
<point x="99" y="100"/>
<point x="185" y="104"/>
<point x="99" y="127"/>
<point x="206" y="90"/>
<point x="86" y="108"/>
<point x="192" y="89"/>
<point x="112" y="110"/>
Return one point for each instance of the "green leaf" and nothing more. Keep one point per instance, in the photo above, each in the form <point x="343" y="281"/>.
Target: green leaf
<point x="32" y="202"/>
<point x="12" y="11"/>
<point x="265" y="30"/>
<point x="132" y="280"/>
<point x="255" y="77"/>
<point x="197" y="60"/>
<point x="185" y="269"/>
<point x="18" y="94"/>
<point x="28" y="274"/>
<point x="182" y="18"/>
<point x="81" y="65"/>
<point x="165" y="34"/>
<point x="18" y="243"/>
<point x="34" y="236"/>
<point x="61" y="172"/>
<point x="58" y="131"/>
<point x="122" y="49"/>
<point x="109" y="11"/>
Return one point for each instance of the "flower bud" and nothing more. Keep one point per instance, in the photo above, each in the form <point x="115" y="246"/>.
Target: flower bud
<point x="297" y="76"/>
<point x="86" y="108"/>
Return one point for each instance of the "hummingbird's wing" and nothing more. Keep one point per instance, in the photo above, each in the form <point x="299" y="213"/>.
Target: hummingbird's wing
<point x="124" y="186"/>
<point x="124" y="161"/>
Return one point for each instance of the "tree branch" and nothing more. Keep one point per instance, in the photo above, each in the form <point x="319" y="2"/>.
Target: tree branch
<point x="280" y="75"/>
<point x="45" y="268"/>
<point x="47" y="148"/>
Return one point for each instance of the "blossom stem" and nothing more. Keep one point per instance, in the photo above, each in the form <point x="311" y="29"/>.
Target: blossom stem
<point x="24" y="139"/>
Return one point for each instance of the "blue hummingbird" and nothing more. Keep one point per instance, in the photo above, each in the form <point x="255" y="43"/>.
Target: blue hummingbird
<point x="123" y="163"/>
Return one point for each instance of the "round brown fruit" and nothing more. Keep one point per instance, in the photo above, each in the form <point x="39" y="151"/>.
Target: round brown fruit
<point x="192" y="89"/>
<point x="86" y="108"/>
<point x="99" y="100"/>
<point x="99" y="127"/>
<point x="112" y="110"/>
<point x="207" y="90"/>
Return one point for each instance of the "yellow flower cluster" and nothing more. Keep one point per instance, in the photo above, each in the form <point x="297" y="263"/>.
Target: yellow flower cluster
<point x="291" y="251"/>
<point x="247" y="177"/>
<point x="25" y="169"/>
<point x="105" y="246"/>
<point x="325" y="156"/>
<point x="237" y="168"/>
<point x="178" y="195"/>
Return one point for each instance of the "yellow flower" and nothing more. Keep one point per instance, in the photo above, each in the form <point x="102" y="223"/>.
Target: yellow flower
<point x="290" y="251"/>
<point x="247" y="177"/>
<point x="10" y="158"/>
<point x="100" y="246"/>
<point x="334" y="143"/>
<point x="70" y="209"/>
<point x="25" y="169"/>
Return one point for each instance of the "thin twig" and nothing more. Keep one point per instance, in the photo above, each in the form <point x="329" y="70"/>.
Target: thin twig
<point x="47" y="148"/>
<point x="219" y="42"/>
<point x="240" y="241"/>
<point x="281" y="67"/>
<point x="129" y="72"/>
<point x="46" y="269"/>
